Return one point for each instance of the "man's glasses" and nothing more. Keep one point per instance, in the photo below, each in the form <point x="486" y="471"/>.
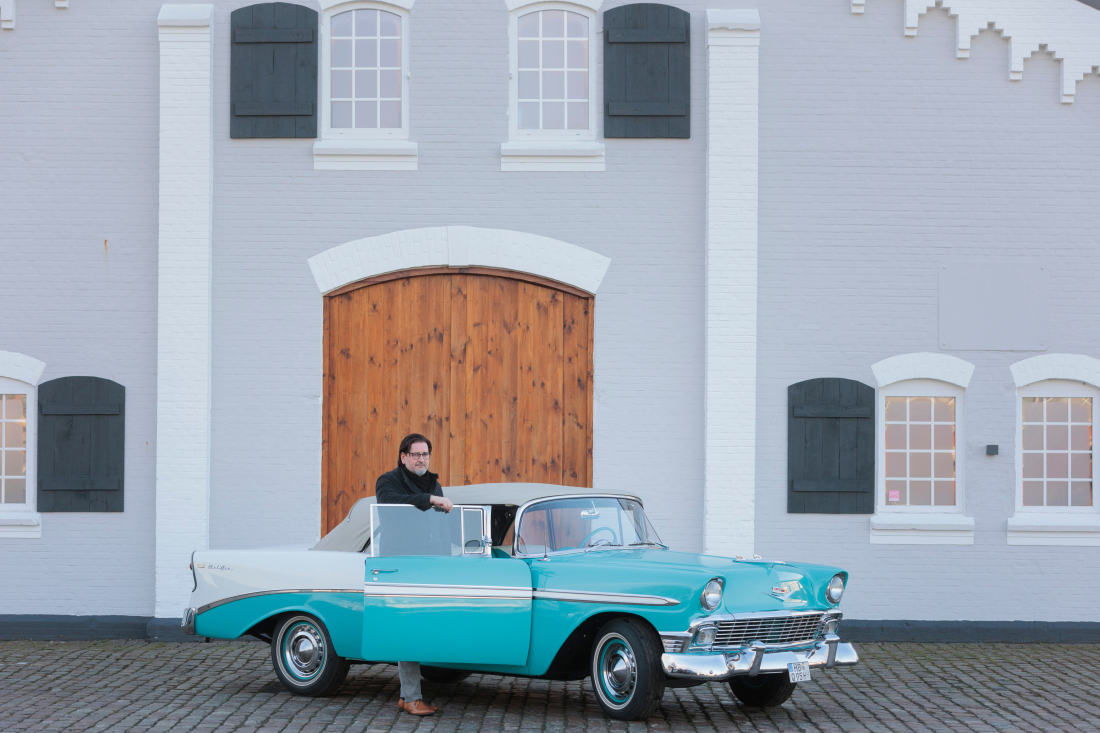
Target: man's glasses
<point x="418" y="456"/>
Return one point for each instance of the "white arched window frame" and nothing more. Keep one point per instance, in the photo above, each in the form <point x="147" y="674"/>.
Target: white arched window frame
<point x="19" y="375"/>
<point x="1054" y="376"/>
<point x="553" y="149"/>
<point x="363" y="148"/>
<point x="921" y="375"/>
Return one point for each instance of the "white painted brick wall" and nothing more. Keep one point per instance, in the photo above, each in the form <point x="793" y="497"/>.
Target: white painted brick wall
<point x="184" y="306"/>
<point x="881" y="156"/>
<point x="78" y="165"/>
<point x="733" y="93"/>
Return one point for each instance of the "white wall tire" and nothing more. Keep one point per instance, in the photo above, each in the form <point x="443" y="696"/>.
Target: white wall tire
<point x="626" y="669"/>
<point x="304" y="658"/>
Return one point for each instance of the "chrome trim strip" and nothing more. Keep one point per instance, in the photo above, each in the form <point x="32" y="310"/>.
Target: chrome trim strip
<point x="417" y="590"/>
<point x="525" y="507"/>
<point x="626" y="599"/>
<point x="242" y="596"/>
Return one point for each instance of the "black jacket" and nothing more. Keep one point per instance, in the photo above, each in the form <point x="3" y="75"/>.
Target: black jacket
<point x="394" y="487"/>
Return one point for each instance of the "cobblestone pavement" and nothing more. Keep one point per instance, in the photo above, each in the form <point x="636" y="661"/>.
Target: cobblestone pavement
<point x="229" y="686"/>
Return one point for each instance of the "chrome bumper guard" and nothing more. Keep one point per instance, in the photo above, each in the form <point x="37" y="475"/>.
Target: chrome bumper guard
<point x="187" y="623"/>
<point x="756" y="659"/>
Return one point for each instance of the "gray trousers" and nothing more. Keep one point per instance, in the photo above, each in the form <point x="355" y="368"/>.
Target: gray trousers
<point x="409" y="672"/>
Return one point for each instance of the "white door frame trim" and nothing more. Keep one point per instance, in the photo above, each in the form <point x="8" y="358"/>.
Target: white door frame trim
<point x="459" y="246"/>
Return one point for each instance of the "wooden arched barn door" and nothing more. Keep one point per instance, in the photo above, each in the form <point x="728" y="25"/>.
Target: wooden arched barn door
<point x="495" y="368"/>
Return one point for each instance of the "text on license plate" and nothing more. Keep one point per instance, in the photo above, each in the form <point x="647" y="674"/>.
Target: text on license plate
<point x="799" y="671"/>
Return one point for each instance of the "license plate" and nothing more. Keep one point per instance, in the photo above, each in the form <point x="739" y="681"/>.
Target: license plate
<point x="799" y="671"/>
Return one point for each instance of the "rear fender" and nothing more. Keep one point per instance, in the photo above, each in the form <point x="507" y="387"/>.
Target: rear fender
<point x="341" y="613"/>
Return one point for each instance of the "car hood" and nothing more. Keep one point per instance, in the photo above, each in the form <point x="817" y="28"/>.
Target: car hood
<point x="750" y="585"/>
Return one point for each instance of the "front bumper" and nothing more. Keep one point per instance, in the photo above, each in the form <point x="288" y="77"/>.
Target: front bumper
<point x="757" y="659"/>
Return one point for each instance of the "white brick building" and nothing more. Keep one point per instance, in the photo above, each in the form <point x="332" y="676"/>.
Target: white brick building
<point x="887" y="192"/>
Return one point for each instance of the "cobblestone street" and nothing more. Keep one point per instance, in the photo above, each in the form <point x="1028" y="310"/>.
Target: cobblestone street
<point x="229" y="686"/>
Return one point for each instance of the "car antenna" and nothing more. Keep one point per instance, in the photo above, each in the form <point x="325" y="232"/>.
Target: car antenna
<point x="544" y="558"/>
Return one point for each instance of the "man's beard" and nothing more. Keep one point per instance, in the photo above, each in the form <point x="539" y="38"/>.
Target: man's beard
<point x="420" y="471"/>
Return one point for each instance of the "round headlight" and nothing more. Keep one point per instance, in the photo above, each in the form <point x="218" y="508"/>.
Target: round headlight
<point x="835" y="589"/>
<point x="712" y="594"/>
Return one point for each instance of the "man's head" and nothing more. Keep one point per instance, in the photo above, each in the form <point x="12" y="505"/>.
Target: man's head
<point x="415" y="452"/>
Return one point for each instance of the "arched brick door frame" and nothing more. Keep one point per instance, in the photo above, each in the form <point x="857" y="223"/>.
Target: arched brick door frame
<point x="535" y="333"/>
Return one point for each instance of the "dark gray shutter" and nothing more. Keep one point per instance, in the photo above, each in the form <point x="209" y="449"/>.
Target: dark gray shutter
<point x="647" y="71"/>
<point x="273" y="71"/>
<point x="830" y="447"/>
<point x="81" y="434"/>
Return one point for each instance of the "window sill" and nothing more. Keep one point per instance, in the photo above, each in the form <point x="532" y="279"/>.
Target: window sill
<point x="903" y="528"/>
<point x="365" y="155"/>
<point x="568" y="155"/>
<point x="1043" y="528"/>
<point x="20" y="524"/>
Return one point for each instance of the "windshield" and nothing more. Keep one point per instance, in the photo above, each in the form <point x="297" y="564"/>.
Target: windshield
<point x="574" y="524"/>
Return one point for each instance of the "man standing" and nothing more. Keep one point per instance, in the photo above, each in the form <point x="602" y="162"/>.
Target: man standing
<point x="412" y="483"/>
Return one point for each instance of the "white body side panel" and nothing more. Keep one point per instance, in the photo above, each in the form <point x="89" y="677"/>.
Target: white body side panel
<point x="225" y="574"/>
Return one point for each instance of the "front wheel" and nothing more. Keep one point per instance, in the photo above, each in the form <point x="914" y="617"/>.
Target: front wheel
<point x="305" y="661"/>
<point x="626" y="669"/>
<point x="762" y="691"/>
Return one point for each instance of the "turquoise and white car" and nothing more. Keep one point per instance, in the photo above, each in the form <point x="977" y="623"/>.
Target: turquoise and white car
<point x="531" y="580"/>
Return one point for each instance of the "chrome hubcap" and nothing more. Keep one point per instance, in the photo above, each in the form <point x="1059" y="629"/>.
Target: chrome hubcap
<point x="303" y="650"/>
<point x="618" y="670"/>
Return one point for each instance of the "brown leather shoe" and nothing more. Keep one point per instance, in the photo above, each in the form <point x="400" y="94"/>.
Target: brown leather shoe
<point x="419" y="707"/>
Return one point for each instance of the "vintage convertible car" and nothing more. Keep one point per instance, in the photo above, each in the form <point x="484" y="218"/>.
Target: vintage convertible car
<point x="529" y="580"/>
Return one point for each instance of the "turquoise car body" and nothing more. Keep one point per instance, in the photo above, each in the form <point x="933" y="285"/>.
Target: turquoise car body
<point x="495" y="613"/>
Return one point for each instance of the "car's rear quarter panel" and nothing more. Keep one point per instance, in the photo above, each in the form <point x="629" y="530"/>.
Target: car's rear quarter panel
<point x="237" y="589"/>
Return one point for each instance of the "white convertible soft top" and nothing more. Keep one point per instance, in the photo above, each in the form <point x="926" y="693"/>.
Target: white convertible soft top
<point x="351" y="534"/>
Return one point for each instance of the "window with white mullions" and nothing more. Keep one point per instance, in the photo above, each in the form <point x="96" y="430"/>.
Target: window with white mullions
<point x="1057" y="451"/>
<point x="13" y="449"/>
<point x="365" y="86"/>
<point x="920" y="451"/>
<point x="553" y="62"/>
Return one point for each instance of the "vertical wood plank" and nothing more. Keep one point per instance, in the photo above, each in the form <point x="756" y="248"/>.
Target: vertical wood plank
<point x="506" y="313"/>
<point x="263" y="68"/>
<point x="590" y="313"/>
<point x="377" y="413"/>
<point x="240" y="63"/>
<point x="328" y="399"/>
<point x="456" y="465"/>
<point x="305" y="82"/>
<point x="284" y="56"/>
<point x="575" y="391"/>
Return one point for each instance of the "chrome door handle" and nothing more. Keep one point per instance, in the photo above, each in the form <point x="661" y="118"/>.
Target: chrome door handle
<point x="376" y="571"/>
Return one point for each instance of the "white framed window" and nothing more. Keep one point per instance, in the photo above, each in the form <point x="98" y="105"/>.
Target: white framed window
<point x="364" y="121"/>
<point x="1056" y="403"/>
<point x="920" y="429"/>
<point x="920" y="441"/>
<point x="1054" y="447"/>
<point x="553" y="108"/>
<point x="18" y="445"/>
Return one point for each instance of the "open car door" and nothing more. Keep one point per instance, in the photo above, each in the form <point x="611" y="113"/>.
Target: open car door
<point x="435" y="594"/>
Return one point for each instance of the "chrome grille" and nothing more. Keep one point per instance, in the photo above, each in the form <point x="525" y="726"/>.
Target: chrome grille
<point x="772" y="630"/>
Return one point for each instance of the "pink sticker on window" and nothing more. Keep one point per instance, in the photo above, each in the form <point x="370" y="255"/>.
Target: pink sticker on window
<point x="893" y="496"/>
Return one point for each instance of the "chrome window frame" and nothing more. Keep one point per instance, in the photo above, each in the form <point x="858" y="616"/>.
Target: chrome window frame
<point x="520" y="512"/>
<point x="486" y="528"/>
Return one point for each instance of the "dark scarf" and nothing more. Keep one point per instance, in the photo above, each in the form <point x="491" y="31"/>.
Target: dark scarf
<point x="425" y="483"/>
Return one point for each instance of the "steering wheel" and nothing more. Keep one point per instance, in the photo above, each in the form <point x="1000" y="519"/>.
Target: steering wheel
<point x="615" y="537"/>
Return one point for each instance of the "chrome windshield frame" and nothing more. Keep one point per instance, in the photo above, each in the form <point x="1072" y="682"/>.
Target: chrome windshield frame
<point x="575" y="551"/>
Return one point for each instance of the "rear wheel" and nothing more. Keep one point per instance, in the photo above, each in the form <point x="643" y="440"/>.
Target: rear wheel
<point x="626" y="669"/>
<point x="442" y="675"/>
<point x="762" y="691"/>
<point x="305" y="661"/>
